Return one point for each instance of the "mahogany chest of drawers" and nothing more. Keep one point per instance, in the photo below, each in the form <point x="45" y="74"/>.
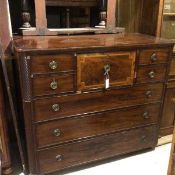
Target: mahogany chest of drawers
<point x="89" y="98"/>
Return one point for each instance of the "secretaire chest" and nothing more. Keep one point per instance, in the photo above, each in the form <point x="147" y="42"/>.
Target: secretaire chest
<point x="89" y="98"/>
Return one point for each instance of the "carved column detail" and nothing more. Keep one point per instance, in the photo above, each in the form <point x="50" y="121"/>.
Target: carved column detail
<point x="25" y="14"/>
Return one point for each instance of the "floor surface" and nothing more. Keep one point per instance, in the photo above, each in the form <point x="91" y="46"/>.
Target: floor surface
<point x="150" y="163"/>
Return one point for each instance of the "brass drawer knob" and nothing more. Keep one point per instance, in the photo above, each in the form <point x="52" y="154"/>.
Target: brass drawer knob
<point x="53" y="65"/>
<point x="148" y="94"/>
<point x="54" y="85"/>
<point x="58" y="158"/>
<point x="56" y="132"/>
<point x="151" y="74"/>
<point x="56" y="107"/>
<point x="146" y="115"/>
<point x="143" y="138"/>
<point x="153" y="57"/>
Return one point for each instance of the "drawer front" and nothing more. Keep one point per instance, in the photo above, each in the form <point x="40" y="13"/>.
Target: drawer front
<point x="152" y="56"/>
<point x="60" y="107"/>
<point x="69" y="155"/>
<point x="148" y="74"/>
<point x="50" y="85"/>
<point x="92" y="69"/>
<point x="88" y="126"/>
<point x="52" y="64"/>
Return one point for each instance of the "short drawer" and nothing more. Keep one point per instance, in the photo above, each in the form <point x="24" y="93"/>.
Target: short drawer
<point x="153" y="56"/>
<point x="78" y="104"/>
<point x="71" y="129"/>
<point x="92" y="69"/>
<point x="50" y="85"/>
<point x="148" y="74"/>
<point x="52" y="64"/>
<point x="69" y="155"/>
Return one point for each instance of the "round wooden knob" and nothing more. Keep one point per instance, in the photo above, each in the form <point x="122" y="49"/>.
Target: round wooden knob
<point x="53" y="65"/>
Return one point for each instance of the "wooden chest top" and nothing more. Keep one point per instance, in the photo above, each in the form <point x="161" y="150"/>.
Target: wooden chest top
<point x="88" y="42"/>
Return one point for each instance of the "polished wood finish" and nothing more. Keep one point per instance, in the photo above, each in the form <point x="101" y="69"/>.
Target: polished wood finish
<point x="4" y="145"/>
<point x="91" y="69"/>
<point x="99" y="101"/>
<point x="88" y="43"/>
<point x="141" y="16"/>
<point x="168" y="118"/>
<point x="172" y="70"/>
<point x="41" y="20"/>
<point x="5" y="40"/>
<point x="5" y="31"/>
<point x="150" y="11"/>
<point x="105" y="146"/>
<point x="167" y="124"/>
<point x="66" y="130"/>
<point x="151" y="73"/>
<point x="66" y="125"/>
<point x="43" y="85"/>
<point x="152" y="56"/>
<point x="160" y="18"/>
<point x="111" y="14"/>
<point x="40" y="64"/>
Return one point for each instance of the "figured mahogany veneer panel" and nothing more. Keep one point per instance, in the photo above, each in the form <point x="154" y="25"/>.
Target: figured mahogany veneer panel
<point x="153" y="73"/>
<point x="91" y="150"/>
<point x="42" y="85"/>
<point x="96" y="101"/>
<point x="154" y="56"/>
<point x="90" y="69"/>
<point x="92" y="125"/>
<point x="42" y="64"/>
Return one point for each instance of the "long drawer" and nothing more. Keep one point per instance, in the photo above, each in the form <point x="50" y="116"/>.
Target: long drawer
<point x="73" y="154"/>
<point x="78" y="104"/>
<point x="75" y="128"/>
